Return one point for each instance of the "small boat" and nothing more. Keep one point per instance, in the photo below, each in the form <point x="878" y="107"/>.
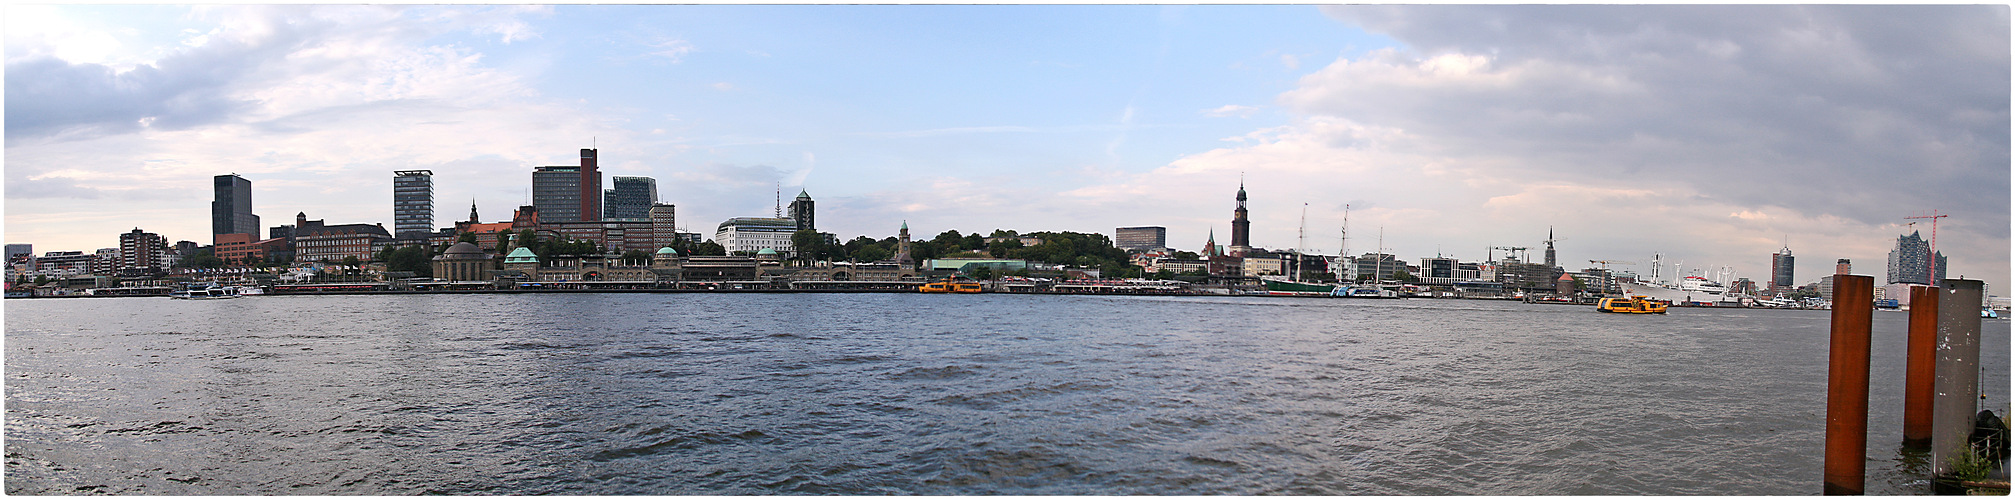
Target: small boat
<point x="1636" y="304"/>
<point x="205" y="293"/>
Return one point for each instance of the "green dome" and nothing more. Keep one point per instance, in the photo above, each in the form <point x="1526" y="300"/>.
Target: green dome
<point x="521" y="255"/>
<point x="766" y="251"/>
<point x="667" y="251"/>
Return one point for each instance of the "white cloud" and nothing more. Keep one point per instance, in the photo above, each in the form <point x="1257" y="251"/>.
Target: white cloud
<point x="674" y="50"/>
<point x="1231" y="110"/>
<point x="315" y="105"/>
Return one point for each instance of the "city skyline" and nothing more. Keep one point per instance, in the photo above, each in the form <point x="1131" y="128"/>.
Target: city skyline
<point x="1748" y="129"/>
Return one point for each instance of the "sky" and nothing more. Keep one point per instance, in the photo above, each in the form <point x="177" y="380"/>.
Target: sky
<point x="1710" y="135"/>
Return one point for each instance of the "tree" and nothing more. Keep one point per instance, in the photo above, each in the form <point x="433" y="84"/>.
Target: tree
<point x="709" y="248"/>
<point x="1402" y="277"/>
<point x="1163" y="274"/>
<point x="416" y="259"/>
<point x="352" y="261"/>
<point x="1186" y="255"/>
<point x="467" y="238"/>
<point x="810" y="245"/>
<point x="1000" y="248"/>
<point x="636" y="256"/>
<point x="949" y="240"/>
<point x="983" y="273"/>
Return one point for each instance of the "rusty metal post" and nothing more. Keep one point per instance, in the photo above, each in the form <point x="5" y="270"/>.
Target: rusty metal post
<point x="1957" y="389"/>
<point x="1847" y="384"/>
<point x="1920" y="366"/>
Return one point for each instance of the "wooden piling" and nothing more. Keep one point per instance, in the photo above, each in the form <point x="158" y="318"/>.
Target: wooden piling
<point x="1920" y="366"/>
<point x="1847" y="384"/>
<point x="1957" y="386"/>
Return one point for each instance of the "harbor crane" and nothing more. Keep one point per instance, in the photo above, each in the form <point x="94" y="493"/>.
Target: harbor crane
<point x="1606" y="263"/>
<point x="1512" y="252"/>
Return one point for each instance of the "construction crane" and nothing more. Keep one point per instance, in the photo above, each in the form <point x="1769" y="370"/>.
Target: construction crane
<point x="1512" y="252"/>
<point x="1606" y="263"/>
<point x="1609" y="279"/>
<point x="1931" y="253"/>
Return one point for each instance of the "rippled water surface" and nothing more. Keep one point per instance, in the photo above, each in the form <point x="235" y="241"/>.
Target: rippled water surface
<point x="922" y="394"/>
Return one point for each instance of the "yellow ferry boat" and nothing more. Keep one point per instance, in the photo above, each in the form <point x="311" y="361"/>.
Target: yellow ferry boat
<point x="1636" y="304"/>
<point x="949" y="287"/>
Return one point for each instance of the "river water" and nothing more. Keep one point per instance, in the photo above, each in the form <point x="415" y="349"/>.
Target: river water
<point x="928" y="394"/>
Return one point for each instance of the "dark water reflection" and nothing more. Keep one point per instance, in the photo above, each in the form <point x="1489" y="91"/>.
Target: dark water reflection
<point x="917" y="394"/>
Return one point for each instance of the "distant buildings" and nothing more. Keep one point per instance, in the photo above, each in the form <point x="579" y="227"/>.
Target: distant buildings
<point x="630" y="197"/>
<point x="1140" y="238"/>
<point x="19" y="250"/>
<point x="755" y="234"/>
<point x="412" y="203"/>
<point x="143" y="254"/>
<point x="569" y="193"/>
<point x="1780" y="272"/>
<point x="801" y="212"/>
<point x="1912" y="262"/>
<point x="315" y="241"/>
<point x="1842" y="266"/>
<point x="231" y="208"/>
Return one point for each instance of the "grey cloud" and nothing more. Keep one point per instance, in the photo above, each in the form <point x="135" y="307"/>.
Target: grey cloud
<point x="1856" y="111"/>
<point x="20" y="186"/>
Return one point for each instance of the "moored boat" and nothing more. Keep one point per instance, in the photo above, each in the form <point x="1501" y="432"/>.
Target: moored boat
<point x="1364" y="292"/>
<point x="1284" y="287"/>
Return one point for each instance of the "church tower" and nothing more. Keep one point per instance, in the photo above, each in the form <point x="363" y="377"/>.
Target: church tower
<point x="1241" y="229"/>
<point x="1550" y="262"/>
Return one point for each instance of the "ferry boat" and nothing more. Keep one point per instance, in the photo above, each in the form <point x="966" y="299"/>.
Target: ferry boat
<point x="950" y="287"/>
<point x="1636" y="304"/>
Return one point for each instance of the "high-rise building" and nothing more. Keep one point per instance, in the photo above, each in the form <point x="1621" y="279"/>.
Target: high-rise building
<point x="231" y="209"/>
<point x="412" y="203"/>
<point x="591" y="185"/>
<point x="557" y="193"/>
<point x="801" y="211"/>
<point x="1780" y="271"/>
<point x="1912" y="262"/>
<point x="1842" y="266"/>
<point x="1140" y="238"/>
<point x="664" y="224"/>
<point x="1241" y="228"/>
<point x="142" y="253"/>
<point x="629" y="197"/>
<point x="569" y="193"/>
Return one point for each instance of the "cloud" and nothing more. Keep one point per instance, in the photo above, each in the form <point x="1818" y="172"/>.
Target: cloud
<point x="1490" y="123"/>
<point x="316" y="105"/>
<point x="1231" y="110"/>
<point x="674" y="50"/>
